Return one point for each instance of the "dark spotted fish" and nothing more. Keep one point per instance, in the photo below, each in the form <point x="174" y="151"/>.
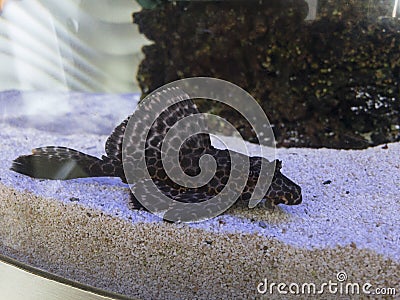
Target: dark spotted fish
<point x="55" y="162"/>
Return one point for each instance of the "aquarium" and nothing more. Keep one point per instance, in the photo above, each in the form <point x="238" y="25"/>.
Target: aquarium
<point x="157" y="149"/>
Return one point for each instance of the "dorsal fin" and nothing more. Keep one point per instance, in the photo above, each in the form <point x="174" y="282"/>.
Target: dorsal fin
<point x="147" y="130"/>
<point x="191" y="146"/>
<point x="175" y="112"/>
<point x="114" y="142"/>
<point x="163" y="123"/>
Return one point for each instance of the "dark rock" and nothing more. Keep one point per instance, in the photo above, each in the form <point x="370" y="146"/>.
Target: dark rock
<point x="331" y="82"/>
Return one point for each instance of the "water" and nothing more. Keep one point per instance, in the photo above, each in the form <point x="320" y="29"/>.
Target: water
<point x="326" y="74"/>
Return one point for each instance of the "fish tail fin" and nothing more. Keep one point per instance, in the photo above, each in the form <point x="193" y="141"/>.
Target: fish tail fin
<point x="61" y="163"/>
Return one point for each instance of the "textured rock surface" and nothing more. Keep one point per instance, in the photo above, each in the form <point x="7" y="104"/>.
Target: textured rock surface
<point x="329" y="82"/>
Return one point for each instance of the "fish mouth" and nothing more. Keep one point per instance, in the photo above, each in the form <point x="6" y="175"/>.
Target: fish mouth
<point x="287" y="201"/>
<point x="298" y="200"/>
<point x="280" y="201"/>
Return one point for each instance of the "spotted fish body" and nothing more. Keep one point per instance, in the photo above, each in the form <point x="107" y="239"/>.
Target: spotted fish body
<point x="65" y="163"/>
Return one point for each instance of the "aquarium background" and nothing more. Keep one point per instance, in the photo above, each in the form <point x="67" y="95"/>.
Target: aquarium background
<point x="326" y="73"/>
<point x="74" y="45"/>
<point x="326" y="76"/>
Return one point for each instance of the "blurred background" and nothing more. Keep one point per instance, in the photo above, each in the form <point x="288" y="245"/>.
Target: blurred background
<point x="79" y="45"/>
